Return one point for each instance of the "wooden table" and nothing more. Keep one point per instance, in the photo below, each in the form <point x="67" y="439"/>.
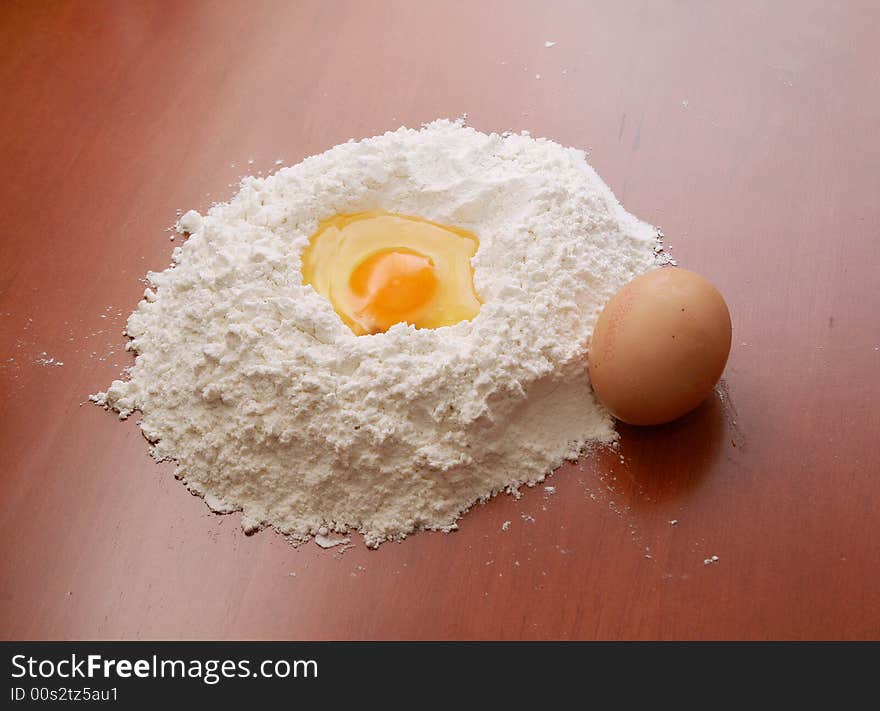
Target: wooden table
<point x="749" y="133"/>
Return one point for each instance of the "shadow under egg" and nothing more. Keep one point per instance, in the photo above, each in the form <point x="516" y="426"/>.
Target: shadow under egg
<point x="668" y="461"/>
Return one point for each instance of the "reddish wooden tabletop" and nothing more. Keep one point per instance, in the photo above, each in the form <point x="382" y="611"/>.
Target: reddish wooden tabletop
<point x="748" y="132"/>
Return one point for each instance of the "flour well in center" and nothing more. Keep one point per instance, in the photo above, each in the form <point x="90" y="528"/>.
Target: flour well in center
<point x="270" y="404"/>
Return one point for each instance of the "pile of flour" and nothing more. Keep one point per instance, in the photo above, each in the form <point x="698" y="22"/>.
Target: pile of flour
<point x="271" y="406"/>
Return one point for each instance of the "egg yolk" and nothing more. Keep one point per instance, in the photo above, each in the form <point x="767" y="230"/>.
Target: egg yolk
<point x="395" y="286"/>
<point x="379" y="268"/>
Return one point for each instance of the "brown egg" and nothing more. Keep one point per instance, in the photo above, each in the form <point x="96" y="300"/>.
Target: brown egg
<point x="659" y="346"/>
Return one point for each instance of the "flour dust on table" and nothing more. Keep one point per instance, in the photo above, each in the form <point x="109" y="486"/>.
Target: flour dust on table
<point x="270" y="404"/>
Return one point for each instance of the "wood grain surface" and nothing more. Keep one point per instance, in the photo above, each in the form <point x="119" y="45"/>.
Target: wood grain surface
<point x="747" y="130"/>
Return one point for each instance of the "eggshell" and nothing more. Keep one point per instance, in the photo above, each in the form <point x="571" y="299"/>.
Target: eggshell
<point x="659" y="346"/>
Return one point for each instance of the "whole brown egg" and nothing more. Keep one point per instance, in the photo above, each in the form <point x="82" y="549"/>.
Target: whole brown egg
<point x="659" y="346"/>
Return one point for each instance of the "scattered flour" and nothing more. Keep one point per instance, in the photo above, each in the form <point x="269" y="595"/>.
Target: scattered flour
<point x="270" y="405"/>
<point x="330" y="541"/>
<point x="46" y="360"/>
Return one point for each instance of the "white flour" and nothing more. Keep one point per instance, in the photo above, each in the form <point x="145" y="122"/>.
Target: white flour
<point x="270" y="405"/>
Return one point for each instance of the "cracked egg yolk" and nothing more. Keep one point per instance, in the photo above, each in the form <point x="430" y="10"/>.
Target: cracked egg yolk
<point x="379" y="268"/>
